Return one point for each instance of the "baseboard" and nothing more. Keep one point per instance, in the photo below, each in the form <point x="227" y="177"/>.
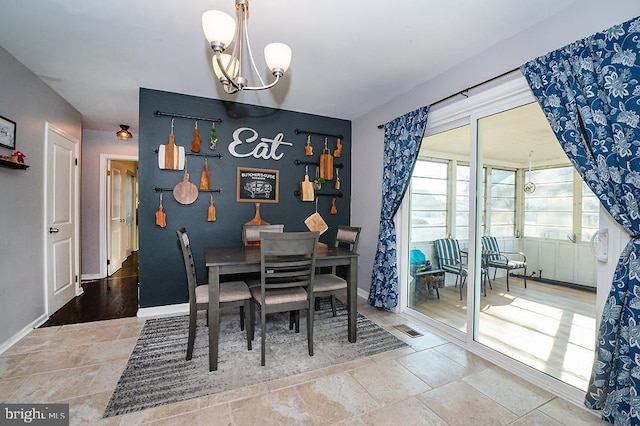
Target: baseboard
<point x="363" y="293"/>
<point x="19" y="335"/>
<point x="166" y="310"/>
<point x="90" y="277"/>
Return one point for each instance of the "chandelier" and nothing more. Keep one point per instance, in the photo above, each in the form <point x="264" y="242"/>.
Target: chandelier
<point x="221" y="31"/>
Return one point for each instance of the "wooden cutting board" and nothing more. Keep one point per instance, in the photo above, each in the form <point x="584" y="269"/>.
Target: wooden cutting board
<point x="306" y="188"/>
<point x="326" y="164"/>
<point x="185" y="192"/>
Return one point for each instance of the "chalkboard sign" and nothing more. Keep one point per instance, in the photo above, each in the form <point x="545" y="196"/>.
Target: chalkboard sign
<point x="258" y="185"/>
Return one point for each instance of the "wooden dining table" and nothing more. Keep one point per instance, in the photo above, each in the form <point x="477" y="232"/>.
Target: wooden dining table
<point x="222" y="261"/>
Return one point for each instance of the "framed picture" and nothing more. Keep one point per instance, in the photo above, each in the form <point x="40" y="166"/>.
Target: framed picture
<point x="7" y="133"/>
<point x="258" y="185"/>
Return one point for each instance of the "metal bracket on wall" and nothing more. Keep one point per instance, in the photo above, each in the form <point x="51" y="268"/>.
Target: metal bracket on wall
<point x="328" y="194"/>
<point x="316" y="163"/>
<point x="197" y="154"/>
<point x="188" y="117"/>
<point x="158" y="189"/>
<point x="309" y="132"/>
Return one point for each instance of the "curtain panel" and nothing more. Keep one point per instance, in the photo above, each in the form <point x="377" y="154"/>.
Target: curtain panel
<point x="402" y="139"/>
<point x="590" y="94"/>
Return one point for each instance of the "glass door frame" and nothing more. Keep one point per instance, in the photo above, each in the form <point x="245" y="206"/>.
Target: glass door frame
<point x="512" y="93"/>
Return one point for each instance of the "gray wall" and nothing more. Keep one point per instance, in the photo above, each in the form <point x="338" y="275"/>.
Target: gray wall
<point x="29" y="102"/>
<point x="592" y="16"/>
<point x="95" y="143"/>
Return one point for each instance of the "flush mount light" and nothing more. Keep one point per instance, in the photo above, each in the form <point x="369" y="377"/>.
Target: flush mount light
<point x="221" y="31"/>
<point x="124" y="133"/>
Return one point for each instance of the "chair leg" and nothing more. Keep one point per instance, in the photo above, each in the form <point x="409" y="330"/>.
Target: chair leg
<point x="252" y="318"/>
<point x="310" y="316"/>
<point x="317" y="303"/>
<point x="525" y="277"/>
<point x="292" y="319"/>
<point x="333" y="304"/>
<point x="507" y="279"/>
<point x="192" y="333"/>
<point x="241" y="318"/>
<point x="297" y="321"/>
<point x="263" y="343"/>
<point x="245" y="311"/>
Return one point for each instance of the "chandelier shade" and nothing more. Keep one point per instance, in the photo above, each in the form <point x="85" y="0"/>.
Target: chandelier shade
<point x="218" y="27"/>
<point x="224" y="34"/>
<point x="278" y="57"/>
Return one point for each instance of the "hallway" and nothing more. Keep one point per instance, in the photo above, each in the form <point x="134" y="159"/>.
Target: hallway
<point x="104" y="299"/>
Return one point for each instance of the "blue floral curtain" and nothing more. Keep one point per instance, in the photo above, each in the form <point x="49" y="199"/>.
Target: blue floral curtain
<point x="402" y="138"/>
<point x="590" y="93"/>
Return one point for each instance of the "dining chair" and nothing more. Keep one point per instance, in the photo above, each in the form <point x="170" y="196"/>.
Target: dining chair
<point x="233" y="293"/>
<point x="251" y="233"/>
<point x="508" y="260"/>
<point x="450" y="260"/>
<point x="330" y="284"/>
<point x="287" y="270"/>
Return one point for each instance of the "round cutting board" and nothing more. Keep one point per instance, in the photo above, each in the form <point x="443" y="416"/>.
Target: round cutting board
<point x="185" y="192"/>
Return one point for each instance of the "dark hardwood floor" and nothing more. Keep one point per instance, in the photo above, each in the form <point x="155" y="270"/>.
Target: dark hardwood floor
<point x="109" y="298"/>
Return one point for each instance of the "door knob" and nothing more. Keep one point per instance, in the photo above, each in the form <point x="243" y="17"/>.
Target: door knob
<point x="53" y="230"/>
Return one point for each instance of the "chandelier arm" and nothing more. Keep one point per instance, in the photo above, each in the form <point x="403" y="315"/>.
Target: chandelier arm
<point x="268" y="86"/>
<point x="253" y="62"/>
<point x="229" y="80"/>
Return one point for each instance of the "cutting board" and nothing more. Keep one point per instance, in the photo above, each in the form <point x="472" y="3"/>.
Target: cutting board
<point x="185" y="192"/>
<point x="306" y="188"/>
<point x="326" y="164"/>
<point x="171" y="156"/>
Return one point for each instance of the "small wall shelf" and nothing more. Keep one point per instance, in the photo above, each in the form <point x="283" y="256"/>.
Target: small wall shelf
<point x="13" y="164"/>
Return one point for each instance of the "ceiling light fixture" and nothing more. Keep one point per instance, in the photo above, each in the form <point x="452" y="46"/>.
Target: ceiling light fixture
<point x="221" y="30"/>
<point x="124" y="133"/>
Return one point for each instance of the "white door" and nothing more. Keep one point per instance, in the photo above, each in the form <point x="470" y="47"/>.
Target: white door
<point x="129" y="213"/>
<point x="117" y="217"/>
<point x="62" y="219"/>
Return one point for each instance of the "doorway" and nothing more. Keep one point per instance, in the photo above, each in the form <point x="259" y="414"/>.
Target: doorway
<point x="62" y="196"/>
<point x="120" y="198"/>
<point x="470" y="186"/>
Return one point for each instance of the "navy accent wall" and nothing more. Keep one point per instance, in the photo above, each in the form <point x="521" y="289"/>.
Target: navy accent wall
<point x="161" y="268"/>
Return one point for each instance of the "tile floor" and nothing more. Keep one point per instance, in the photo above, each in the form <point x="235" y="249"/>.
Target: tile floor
<point x="432" y="382"/>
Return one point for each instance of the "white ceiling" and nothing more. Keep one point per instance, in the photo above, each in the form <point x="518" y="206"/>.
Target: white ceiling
<point x="348" y="56"/>
<point x="505" y="139"/>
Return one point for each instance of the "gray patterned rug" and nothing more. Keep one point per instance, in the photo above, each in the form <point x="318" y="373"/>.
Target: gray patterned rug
<point x="157" y="372"/>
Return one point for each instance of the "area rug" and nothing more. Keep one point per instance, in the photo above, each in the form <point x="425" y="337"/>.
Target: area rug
<point x="157" y="372"/>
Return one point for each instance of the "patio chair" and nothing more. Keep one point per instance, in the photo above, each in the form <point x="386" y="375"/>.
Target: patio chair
<point x="508" y="260"/>
<point x="448" y="254"/>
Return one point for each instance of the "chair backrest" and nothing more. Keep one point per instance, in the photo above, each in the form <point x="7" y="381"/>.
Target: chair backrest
<point x="251" y="233"/>
<point x="189" y="266"/>
<point x="288" y="259"/>
<point x="491" y="244"/>
<point x="347" y="237"/>
<point x="447" y="251"/>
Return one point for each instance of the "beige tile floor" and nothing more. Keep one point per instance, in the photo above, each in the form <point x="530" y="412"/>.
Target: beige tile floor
<point x="432" y="382"/>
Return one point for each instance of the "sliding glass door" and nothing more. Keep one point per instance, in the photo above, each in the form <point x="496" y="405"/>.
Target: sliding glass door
<point x="500" y="189"/>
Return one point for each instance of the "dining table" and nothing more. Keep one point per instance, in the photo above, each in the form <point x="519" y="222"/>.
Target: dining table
<point x="222" y="261"/>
